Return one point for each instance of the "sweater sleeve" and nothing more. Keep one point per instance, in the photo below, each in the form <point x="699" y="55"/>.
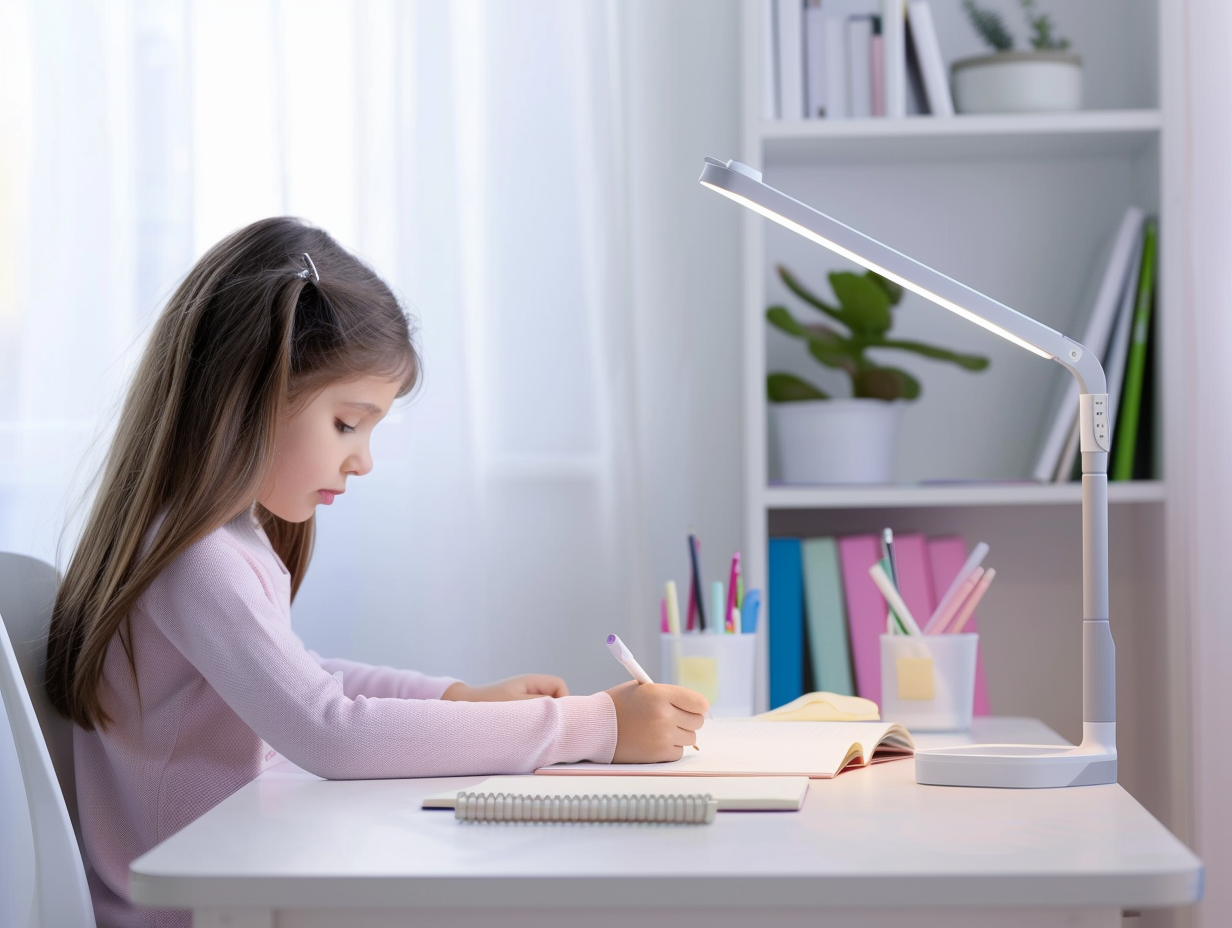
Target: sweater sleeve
<point x="359" y="679"/>
<point x="214" y="607"/>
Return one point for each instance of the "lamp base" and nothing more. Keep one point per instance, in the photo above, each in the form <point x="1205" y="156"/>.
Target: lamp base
<point x="1024" y="766"/>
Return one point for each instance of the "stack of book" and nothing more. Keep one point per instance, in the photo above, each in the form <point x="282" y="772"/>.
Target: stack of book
<point x="827" y="614"/>
<point x="840" y="59"/>
<point x="1119" y="331"/>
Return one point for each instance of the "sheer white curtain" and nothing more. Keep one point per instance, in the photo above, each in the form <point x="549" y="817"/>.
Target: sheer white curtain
<point x="1204" y="232"/>
<point x="524" y="175"/>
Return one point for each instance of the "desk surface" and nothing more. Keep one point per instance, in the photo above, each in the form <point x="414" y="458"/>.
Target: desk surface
<point x="867" y="837"/>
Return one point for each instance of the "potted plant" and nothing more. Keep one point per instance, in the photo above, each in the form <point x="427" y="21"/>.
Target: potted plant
<point x="823" y="439"/>
<point x="1048" y="78"/>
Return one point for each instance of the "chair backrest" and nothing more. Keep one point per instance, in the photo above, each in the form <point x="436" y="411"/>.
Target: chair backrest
<point x="61" y="893"/>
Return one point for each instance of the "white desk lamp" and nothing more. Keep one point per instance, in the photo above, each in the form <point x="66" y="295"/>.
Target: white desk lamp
<point x="1005" y="765"/>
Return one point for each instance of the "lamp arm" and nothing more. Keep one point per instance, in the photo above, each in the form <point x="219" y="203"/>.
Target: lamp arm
<point x="744" y="185"/>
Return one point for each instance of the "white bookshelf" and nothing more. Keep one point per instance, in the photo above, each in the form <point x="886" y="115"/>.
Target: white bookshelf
<point x="1020" y="207"/>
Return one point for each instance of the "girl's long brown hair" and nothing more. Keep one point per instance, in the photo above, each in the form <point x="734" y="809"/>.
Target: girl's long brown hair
<point x="242" y="342"/>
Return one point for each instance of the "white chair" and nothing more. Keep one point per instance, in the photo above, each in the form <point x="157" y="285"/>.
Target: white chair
<point x="44" y="745"/>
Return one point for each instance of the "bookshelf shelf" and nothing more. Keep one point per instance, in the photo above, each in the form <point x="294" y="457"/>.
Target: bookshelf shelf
<point x="927" y="138"/>
<point x="964" y="494"/>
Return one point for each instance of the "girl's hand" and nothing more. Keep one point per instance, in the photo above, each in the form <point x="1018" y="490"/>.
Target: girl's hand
<point x="655" y="721"/>
<point x="523" y="686"/>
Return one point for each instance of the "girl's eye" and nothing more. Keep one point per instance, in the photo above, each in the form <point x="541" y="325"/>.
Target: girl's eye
<point x="343" y="427"/>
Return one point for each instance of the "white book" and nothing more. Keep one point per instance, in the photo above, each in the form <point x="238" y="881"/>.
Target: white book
<point x="815" y="60"/>
<point x="836" y="67"/>
<point x="928" y="53"/>
<point x="893" y="37"/>
<point x="734" y="794"/>
<point x="758" y="747"/>
<point x="769" y="61"/>
<point x="790" y="15"/>
<point x="859" y="67"/>
<point x="1095" y="338"/>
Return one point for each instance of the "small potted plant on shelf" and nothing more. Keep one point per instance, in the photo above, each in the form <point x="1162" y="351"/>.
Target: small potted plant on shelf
<point x="1047" y="78"/>
<point x="822" y="439"/>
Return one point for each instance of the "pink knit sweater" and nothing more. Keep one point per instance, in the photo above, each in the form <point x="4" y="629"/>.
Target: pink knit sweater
<point x="226" y="686"/>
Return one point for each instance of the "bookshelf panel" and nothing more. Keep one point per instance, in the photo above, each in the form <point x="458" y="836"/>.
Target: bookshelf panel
<point x="959" y="494"/>
<point x="993" y="137"/>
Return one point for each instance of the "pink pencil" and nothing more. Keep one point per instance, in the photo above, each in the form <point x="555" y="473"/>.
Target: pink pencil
<point x="938" y="625"/>
<point x="731" y="592"/>
<point x="663" y="626"/>
<point x="964" y="614"/>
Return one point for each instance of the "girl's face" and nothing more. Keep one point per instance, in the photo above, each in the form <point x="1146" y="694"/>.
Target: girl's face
<point x="323" y="443"/>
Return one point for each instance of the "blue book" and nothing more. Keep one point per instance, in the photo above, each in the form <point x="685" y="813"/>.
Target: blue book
<point x="786" y="618"/>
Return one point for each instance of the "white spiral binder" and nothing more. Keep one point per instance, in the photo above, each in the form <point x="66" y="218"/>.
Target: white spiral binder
<point x="678" y="809"/>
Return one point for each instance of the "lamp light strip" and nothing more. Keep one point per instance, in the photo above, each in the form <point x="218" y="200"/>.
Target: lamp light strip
<point x="890" y="275"/>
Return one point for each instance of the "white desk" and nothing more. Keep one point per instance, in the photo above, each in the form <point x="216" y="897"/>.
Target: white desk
<point x="871" y="848"/>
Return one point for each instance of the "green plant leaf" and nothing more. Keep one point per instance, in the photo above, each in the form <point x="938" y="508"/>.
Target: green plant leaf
<point x="971" y="362"/>
<point x="885" y="383"/>
<point x="782" y="319"/>
<point x="788" y="388"/>
<point x="892" y="290"/>
<point x="866" y="305"/>
<point x="835" y="352"/>
<point x="808" y="296"/>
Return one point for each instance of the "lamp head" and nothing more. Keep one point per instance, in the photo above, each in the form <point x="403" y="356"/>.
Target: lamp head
<point x="743" y="184"/>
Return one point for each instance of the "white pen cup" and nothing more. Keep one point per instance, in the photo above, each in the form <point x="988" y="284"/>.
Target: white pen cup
<point x="719" y="666"/>
<point x="928" y="681"/>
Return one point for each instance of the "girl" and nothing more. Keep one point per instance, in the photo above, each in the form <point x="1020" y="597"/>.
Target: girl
<point x="170" y="643"/>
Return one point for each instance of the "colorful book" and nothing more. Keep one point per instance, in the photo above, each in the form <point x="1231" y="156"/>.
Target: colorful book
<point x="859" y="67"/>
<point x="815" y="60"/>
<point x="923" y="37"/>
<point x="866" y="611"/>
<point x="1126" y="436"/>
<point x="894" y="57"/>
<point x="825" y="618"/>
<point x="946" y="555"/>
<point x="786" y="615"/>
<point x="790" y="27"/>
<point x="1114" y="363"/>
<point x="1095" y="338"/>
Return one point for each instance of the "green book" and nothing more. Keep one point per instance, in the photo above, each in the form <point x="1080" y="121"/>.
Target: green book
<point x="825" y="617"/>
<point x="1126" y="434"/>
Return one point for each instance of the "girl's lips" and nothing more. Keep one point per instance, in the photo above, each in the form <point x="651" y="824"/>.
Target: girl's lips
<point x="327" y="496"/>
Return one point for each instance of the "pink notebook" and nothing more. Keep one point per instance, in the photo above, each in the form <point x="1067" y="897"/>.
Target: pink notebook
<point x="915" y="578"/>
<point x="866" y="611"/>
<point x="947" y="555"/>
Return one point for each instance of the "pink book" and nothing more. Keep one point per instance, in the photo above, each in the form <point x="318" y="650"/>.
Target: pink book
<point x="915" y="579"/>
<point x="948" y="554"/>
<point x="866" y="611"/>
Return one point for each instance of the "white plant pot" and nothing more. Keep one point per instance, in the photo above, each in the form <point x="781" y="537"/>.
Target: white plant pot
<point x="836" y="441"/>
<point x="1018" y="82"/>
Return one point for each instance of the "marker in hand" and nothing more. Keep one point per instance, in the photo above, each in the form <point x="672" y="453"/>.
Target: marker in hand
<point x="622" y="654"/>
<point x="625" y="656"/>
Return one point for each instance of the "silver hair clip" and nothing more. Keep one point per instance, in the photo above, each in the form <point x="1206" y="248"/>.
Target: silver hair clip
<point x="310" y="270"/>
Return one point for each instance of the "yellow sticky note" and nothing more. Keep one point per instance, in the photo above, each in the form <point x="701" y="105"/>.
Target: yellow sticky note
<point x="915" y="678"/>
<point x="700" y="674"/>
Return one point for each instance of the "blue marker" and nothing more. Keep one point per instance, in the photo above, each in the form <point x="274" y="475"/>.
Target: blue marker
<point x="748" y="611"/>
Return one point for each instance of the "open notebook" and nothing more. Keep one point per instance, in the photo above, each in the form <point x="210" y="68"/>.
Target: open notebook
<point x="755" y="747"/>
<point x="753" y="794"/>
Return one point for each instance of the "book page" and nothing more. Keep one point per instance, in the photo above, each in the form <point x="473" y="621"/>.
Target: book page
<point x="755" y="747"/>
<point x="732" y="793"/>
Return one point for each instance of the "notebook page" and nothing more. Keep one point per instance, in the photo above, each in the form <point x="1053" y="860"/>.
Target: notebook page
<point x="732" y="793"/>
<point x="755" y="747"/>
